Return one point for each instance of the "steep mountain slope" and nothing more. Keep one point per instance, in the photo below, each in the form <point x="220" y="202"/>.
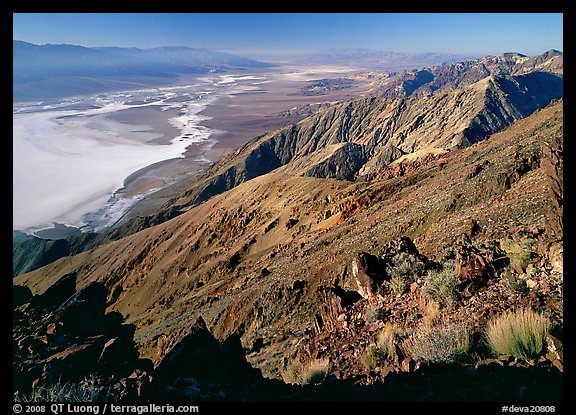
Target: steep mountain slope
<point x="378" y="131"/>
<point x="261" y="258"/>
<point x="351" y="141"/>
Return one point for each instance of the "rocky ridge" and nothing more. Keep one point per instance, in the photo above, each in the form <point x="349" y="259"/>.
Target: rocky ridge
<point x="424" y="82"/>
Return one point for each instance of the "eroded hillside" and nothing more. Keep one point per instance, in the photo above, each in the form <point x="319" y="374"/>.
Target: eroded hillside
<point x="275" y="259"/>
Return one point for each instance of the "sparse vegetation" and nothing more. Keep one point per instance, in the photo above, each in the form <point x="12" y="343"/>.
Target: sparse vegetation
<point x="519" y="252"/>
<point x="312" y="373"/>
<point x="384" y="348"/>
<point x="441" y="344"/>
<point x="386" y="341"/>
<point x="375" y="313"/>
<point x="398" y="285"/>
<point x="315" y="372"/>
<point x="440" y="286"/>
<point x="404" y="266"/>
<point x="514" y="284"/>
<point x="85" y="391"/>
<point x="372" y="357"/>
<point x="521" y="333"/>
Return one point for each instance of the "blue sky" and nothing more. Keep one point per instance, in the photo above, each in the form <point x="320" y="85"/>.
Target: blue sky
<point x="258" y="33"/>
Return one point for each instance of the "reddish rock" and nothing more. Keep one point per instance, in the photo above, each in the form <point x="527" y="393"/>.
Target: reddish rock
<point x="407" y="365"/>
<point x="552" y="163"/>
<point x="471" y="266"/>
<point x="472" y="228"/>
<point x="77" y="359"/>
<point x="334" y="301"/>
<point x="367" y="272"/>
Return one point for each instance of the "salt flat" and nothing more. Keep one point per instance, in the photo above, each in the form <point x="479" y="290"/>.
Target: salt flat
<point x="70" y="162"/>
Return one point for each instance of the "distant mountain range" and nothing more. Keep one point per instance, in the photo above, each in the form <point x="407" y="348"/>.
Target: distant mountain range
<point x="426" y="81"/>
<point x="51" y="71"/>
<point x="386" y="60"/>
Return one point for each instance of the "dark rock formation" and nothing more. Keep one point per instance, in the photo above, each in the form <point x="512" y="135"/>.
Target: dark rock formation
<point x="59" y="339"/>
<point x="367" y="272"/>
<point x="56" y="294"/>
<point x="471" y="266"/>
<point x="20" y="294"/>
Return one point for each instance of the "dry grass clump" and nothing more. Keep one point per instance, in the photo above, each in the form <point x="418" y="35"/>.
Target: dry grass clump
<point x="372" y="357"/>
<point x="521" y="333"/>
<point x="384" y="348"/>
<point x="312" y="373"/>
<point x="386" y="341"/>
<point x="440" y="344"/>
<point x="85" y="391"/>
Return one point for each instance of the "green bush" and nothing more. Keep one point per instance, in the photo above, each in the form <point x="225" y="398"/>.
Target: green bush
<point x="440" y="286"/>
<point x="444" y="344"/>
<point x="521" y="333"/>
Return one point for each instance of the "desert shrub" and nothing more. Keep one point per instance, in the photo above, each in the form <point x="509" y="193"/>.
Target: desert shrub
<point x="315" y="372"/>
<point x="86" y="391"/>
<point x="398" y="285"/>
<point x="375" y="313"/>
<point x="519" y="252"/>
<point x="513" y="284"/>
<point x="405" y="266"/>
<point x="440" y="286"/>
<point x="372" y="357"/>
<point x="292" y="373"/>
<point x="310" y="374"/>
<point x="521" y="333"/>
<point x="440" y="344"/>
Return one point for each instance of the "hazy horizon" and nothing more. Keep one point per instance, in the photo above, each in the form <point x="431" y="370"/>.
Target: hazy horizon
<point x="276" y="34"/>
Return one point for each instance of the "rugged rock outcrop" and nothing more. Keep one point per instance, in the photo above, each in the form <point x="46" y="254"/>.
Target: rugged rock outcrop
<point x="427" y="81"/>
<point x="59" y="339"/>
<point x="367" y="272"/>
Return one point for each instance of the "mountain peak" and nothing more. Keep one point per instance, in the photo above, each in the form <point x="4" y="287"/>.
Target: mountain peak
<point x="552" y="52"/>
<point x="513" y="55"/>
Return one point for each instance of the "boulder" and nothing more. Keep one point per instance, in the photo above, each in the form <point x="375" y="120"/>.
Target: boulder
<point x="197" y="363"/>
<point x="84" y="311"/>
<point x="368" y="271"/>
<point x="77" y="360"/>
<point x="115" y="355"/>
<point x="471" y="266"/>
<point x="472" y="228"/>
<point x="193" y="353"/>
